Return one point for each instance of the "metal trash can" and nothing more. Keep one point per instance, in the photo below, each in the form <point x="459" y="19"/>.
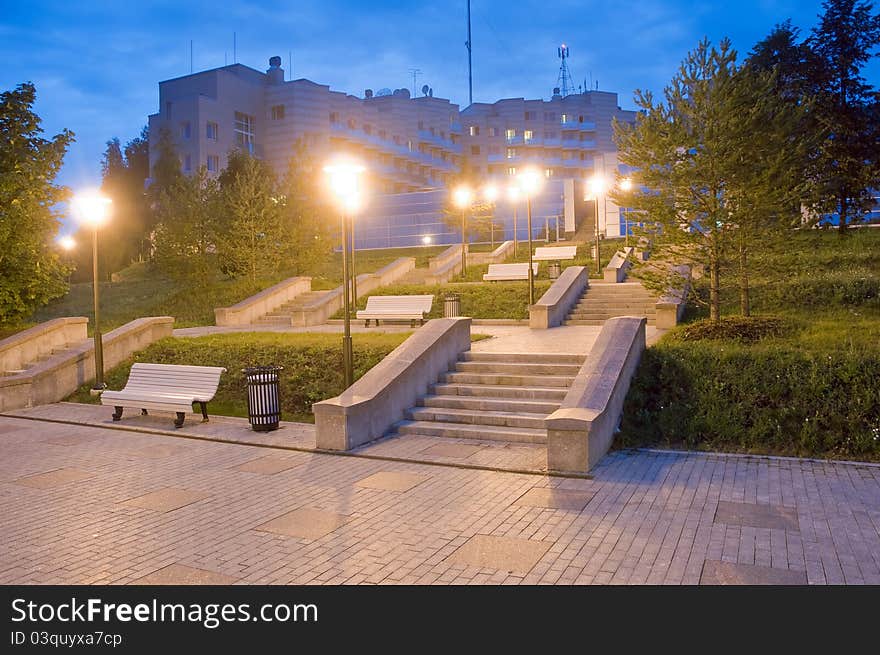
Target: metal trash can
<point x="554" y="270"/>
<point x="264" y="404"/>
<point x="452" y="305"/>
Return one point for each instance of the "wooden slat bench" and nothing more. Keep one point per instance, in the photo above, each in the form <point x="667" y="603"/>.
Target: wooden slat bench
<point x="555" y="253"/>
<point x="396" y="308"/>
<point x="167" y="387"/>
<point x="499" y="272"/>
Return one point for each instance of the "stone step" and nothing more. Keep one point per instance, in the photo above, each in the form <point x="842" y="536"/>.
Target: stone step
<point x="509" y="380"/>
<point x="596" y="321"/>
<point x="273" y="320"/>
<point x="498" y="391"/>
<point x="478" y="432"/>
<point x="476" y="417"/>
<point x="511" y="368"/>
<point x="484" y="404"/>
<point x="588" y="302"/>
<point x="537" y="358"/>
<point x="601" y="314"/>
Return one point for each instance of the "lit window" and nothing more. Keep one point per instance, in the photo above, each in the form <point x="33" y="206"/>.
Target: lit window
<point x="244" y="132"/>
<point x="511" y="170"/>
<point x="511" y="153"/>
<point x="211" y="130"/>
<point x="213" y="163"/>
<point x="409" y="145"/>
<point x="511" y="134"/>
<point x="474" y="130"/>
<point x="548" y="172"/>
<point x="565" y="118"/>
<point x="278" y="112"/>
<point x="528" y="135"/>
<point x="185" y="130"/>
<point x="475" y="150"/>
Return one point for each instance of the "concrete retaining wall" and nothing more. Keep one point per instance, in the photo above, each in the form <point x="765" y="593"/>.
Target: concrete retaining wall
<point x="374" y="403"/>
<point x="260" y="304"/>
<point x="619" y="266"/>
<point x="558" y="300"/>
<point x="670" y="306"/>
<point x="497" y="256"/>
<point x="30" y="345"/>
<point x="580" y="432"/>
<point x="57" y="377"/>
<point x="444" y="266"/>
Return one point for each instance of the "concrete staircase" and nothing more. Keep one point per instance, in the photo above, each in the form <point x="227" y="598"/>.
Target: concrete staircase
<point x="283" y="315"/>
<point x="603" y="300"/>
<point x="41" y="358"/>
<point x="494" y="396"/>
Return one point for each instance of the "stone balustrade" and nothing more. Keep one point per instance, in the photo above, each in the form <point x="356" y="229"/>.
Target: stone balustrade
<point x="37" y="342"/>
<point x="250" y="309"/>
<point x="553" y="307"/>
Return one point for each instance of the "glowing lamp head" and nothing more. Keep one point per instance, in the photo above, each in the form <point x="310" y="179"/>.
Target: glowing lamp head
<point x="92" y="208"/>
<point x="426" y="240"/>
<point x="491" y="193"/>
<point x="596" y="184"/>
<point x="626" y="184"/>
<point x="462" y="197"/>
<point x="344" y="181"/>
<point x="530" y="181"/>
<point x="513" y="193"/>
<point x="67" y="243"/>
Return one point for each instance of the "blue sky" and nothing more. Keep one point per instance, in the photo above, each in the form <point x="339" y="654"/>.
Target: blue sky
<point x="96" y="65"/>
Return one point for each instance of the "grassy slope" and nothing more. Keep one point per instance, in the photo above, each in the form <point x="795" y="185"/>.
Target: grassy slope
<point x="812" y="391"/>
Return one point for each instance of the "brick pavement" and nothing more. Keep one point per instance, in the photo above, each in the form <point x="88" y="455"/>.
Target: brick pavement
<point x="123" y="507"/>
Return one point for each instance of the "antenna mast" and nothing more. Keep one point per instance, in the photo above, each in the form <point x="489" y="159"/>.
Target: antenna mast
<point x="415" y="72"/>
<point x="470" y="66"/>
<point x="564" y="82"/>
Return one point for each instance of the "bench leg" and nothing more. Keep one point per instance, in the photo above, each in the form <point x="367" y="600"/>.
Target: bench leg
<point x="412" y="323"/>
<point x="117" y="412"/>
<point x="204" y="407"/>
<point x="143" y="412"/>
<point x="178" y="422"/>
<point x="367" y="323"/>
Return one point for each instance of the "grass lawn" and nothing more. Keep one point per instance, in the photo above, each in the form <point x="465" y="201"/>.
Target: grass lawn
<point x="808" y="387"/>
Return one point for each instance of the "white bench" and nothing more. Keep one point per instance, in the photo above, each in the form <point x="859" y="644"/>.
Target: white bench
<point x="555" y="253"/>
<point x="498" y="272"/>
<point x="168" y="387"/>
<point x="396" y="308"/>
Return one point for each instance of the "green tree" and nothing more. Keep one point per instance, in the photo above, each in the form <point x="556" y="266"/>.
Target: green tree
<point x="716" y="167"/>
<point x="31" y="272"/>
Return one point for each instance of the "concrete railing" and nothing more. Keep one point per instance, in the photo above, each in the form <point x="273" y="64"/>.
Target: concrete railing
<point x="30" y="345"/>
<point x="580" y="432"/>
<point x="558" y="300"/>
<point x="619" y="265"/>
<point x="643" y="249"/>
<point x="670" y="306"/>
<point x="58" y="376"/>
<point x="444" y="266"/>
<point x="500" y="254"/>
<point x="260" y="304"/>
<point x="451" y="254"/>
<point x="374" y="403"/>
<point x="320" y="309"/>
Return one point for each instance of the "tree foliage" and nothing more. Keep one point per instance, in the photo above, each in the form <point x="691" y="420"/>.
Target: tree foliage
<point x="31" y="272"/>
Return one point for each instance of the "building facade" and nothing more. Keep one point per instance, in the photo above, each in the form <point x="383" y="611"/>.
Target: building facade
<point x="412" y="147"/>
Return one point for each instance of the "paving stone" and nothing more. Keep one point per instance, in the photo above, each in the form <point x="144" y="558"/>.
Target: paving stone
<point x="392" y="481"/>
<point x="52" y="479"/>
<point x="716" y="572"/>
<point x="179" y="574"/>
<point x="268" y="465"/>
<point x="305" y="523"/>
<point x="159" y="451"/>
<point x="504" y="553"/>
<point x="71" y="439"/>
<point x="757" y="516"/>
<point x="166" y="500"/>
<point x="555" y="498"/>
<point x="460" y="451"/>
<point x="6" y="429"/>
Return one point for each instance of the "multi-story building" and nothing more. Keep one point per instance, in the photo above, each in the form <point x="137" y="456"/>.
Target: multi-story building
<point x="411" y="147"/>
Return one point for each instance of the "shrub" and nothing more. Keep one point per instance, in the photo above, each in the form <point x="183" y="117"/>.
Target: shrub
<point x="742" y="329"/>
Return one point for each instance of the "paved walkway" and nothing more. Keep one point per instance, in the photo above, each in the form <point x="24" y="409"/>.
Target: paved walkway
<point x="87" y="504"/>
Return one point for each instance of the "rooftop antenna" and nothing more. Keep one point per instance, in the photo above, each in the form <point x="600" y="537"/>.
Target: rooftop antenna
<point x="234" y="53"/>
<point x="290" y="63"/>
<point x="190" y="56"/>
<point x="468" y="45"/>
<point x="415" y="72"/>
<point x="564" y="82"/>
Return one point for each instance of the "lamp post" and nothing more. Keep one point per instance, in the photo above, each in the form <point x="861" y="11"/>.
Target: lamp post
<point x="597" y="187"/>
<point x="463" y="198"/>
<point x="530" y="182"/>
<point x="343" y="178"/>
<point x="354" y="283"/>
<point x="513" y="197"/>
<point x="626" y="185"/>
<point x="93" y="210"/>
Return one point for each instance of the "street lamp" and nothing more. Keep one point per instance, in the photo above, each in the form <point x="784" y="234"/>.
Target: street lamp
<point x="67" y="243"/>
<point x="513" y="198"/>
<point x="529" y="184"/>
<point x="93" y="210"/>
<point x="463" y="198"/>
<point x="344" y="181"/>
<point x="597" y="186"/>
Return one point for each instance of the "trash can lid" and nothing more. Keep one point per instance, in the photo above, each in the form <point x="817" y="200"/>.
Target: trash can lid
<point x="271" y="368"/>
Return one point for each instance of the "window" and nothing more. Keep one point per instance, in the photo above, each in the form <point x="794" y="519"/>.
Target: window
<point x="421" y="125"/>
<point x="187" y="163"/>
<point x="383" y="135"/>
<point x="475" y="150"/>
<point x="511" y="170"/>
<point x="368" y="129"/>
<point x="565" y="118"/>
<point x="580" y="119"/>
<point x="396" y="140"/>
<point x="185" y="130"/>
<point x="548" y="172"/>
<point x="493" y="131"/>
<point x="278" y="112"/>
<point x="213" y="163"/>
<point x="409" y="145"/>
<point x="531" y="115"/>
<point x="211" y="131"/>
<point x="431" y="131"/>
<point x="549" y="134"/>
<point x="474" y="130"/>
<point x="351" y="124"/>
<point x="549" y="116"/>
<point x="510" y="133"/>
<point x="334" y="117"/>
<point x="494" y="150"/>
<point x="244" y="132"/>
<point x="511" y="153"/>
<point x="528" y="135"/>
